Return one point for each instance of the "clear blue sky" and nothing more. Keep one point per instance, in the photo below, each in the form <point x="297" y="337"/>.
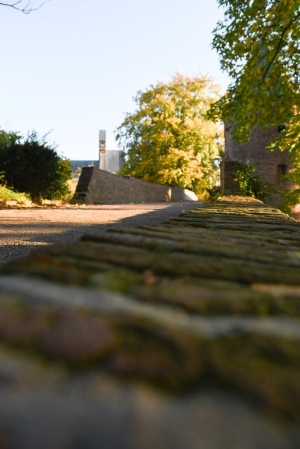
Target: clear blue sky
<point x="74" y="66"/>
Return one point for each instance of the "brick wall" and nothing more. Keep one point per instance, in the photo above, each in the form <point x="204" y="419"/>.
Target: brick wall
<point x="268" y="163"/>
<point x="255" y="152"/>
<point x="97" y="186"/>
<point x="228" y="184"/>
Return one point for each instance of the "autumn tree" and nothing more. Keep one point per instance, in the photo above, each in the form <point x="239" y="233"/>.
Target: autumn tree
<point x="23" y="5"/>
<point x="168" y="140"/>
<point x="259" y="47"/>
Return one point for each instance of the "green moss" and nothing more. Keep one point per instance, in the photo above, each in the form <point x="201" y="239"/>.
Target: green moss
<point x="262" y="369"/>
<point x="217" y="298"/>
<point x="158" y="355"/>
<point x="117" y="279"/>
<point x="183" y="264"/>
<point x="266" y="369"/>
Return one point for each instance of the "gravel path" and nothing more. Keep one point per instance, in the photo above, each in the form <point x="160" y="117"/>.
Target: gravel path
<point x="23" y="230"/>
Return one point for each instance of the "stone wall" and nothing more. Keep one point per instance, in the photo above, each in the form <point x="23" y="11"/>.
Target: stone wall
<point x="97" y="186"/>
<point x="183" y="335"/>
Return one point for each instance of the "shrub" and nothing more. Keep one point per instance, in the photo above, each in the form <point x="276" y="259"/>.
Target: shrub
<point x="33" y="166"/>
<point x="251" y="184"/>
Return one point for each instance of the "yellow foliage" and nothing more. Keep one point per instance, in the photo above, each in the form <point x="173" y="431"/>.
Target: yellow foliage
<point x="169" y="139"/>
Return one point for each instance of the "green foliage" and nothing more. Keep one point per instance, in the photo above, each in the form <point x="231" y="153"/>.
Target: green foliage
<point x="290" y="138"/>
<point x="290" y="198"/>
<point x="32" y="166"/>
<point x="168" y="138"/>
<point x="259" y="47"/>
<point x="2" y="177"/>
<point x="10" y="195"/>
<point x="214" y="193"/>
<point x="251" y="184"/>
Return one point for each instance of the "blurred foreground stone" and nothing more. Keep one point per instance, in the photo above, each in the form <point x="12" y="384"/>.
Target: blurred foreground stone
<point x="183" y="336"/>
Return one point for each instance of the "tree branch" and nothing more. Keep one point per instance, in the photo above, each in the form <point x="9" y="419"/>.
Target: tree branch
<point x="279" y="45"/>
<point x="25" y="9"/>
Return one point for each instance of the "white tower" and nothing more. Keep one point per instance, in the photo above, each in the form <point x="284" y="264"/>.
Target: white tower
<point x="102" y="146"/>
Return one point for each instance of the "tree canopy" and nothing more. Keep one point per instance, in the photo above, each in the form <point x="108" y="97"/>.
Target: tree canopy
<point x="33" y="166"/>
<point x="259" y="47"/>
<point x="22" y="5"/>
<point x="168" y="139"/>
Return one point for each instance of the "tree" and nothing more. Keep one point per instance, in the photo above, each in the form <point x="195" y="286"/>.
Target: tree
<point x="168" y="139"/>
<point x="32" y="166"/>
<point x="259" y="47"/>
<point x="23" y="6"/>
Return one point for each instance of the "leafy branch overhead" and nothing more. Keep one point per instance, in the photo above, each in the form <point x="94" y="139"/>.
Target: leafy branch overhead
<point x="259" y="47"/>
<point x="23" y="5"/>
<point x="168" y="139"/>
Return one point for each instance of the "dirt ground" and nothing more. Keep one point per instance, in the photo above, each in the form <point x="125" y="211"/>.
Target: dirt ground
<point x="23" y="230"/>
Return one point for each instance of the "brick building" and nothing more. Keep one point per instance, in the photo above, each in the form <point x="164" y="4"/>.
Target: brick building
<point x="270" y="165"/>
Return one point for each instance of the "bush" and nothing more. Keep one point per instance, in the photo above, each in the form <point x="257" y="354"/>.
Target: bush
<point x="33" y="166"/>
<point x="251" y="184"/>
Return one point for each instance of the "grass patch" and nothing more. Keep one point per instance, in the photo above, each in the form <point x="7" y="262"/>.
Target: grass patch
<point x="9" y="195"/>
